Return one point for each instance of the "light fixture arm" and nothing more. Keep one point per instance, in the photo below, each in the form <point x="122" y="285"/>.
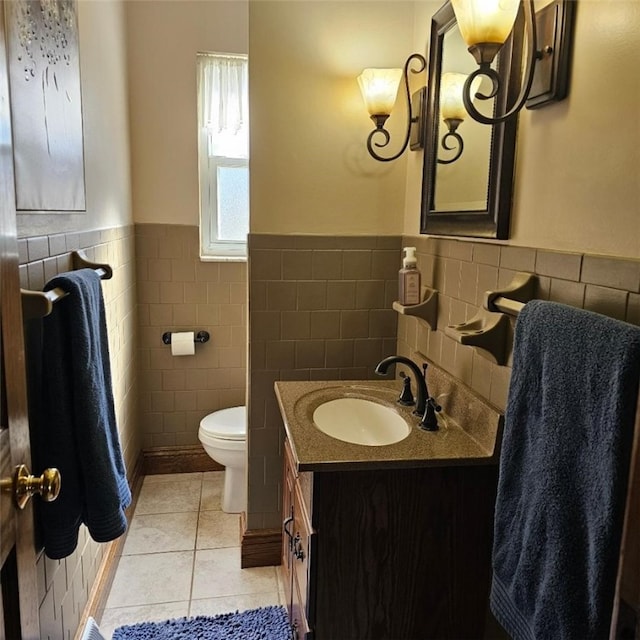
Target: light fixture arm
<point x="380" y="120"/>
<point x="484" y="69"/>
<point x="458" y="145"/>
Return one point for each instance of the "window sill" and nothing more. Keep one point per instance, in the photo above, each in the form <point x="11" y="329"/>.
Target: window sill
<point x="223" y="258"/>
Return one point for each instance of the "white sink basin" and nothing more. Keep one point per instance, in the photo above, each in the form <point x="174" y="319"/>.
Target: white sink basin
<point x="360" y="421"/>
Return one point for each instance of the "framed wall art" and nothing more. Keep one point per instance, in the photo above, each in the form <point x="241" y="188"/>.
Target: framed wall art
<point x="46" y="105"/>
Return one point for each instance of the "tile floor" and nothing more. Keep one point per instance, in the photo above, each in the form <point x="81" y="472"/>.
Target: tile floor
<point x="181" y="557"/>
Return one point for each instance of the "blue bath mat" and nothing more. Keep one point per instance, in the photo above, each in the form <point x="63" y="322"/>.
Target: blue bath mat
<point x="266" y="623"/>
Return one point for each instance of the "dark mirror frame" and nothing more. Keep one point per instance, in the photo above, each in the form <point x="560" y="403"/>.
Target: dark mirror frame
<point x="493" y="222"/>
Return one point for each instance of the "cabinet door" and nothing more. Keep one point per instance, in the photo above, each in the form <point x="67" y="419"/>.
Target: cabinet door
<point x="297" y="551"/>
<point x="299" y="625"/>
<point x="287" y="524"/>
<point x="304" y="540"/>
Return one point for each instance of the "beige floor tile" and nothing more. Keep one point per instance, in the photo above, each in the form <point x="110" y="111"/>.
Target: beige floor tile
<point x="212" y="492"/>
<point x="218" y="529"/>
<point x="157" y="578"/>
<point x="114" y="618"/>
<point x="169" y="497"/>
<point x="161" y="532"/>
<point x="231" y="604"/>
<point x="172" y="477"/>
<point x="152" y="578"/>
<point x="217" y="573"/>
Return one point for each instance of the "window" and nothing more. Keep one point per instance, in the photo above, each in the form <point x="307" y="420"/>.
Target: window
<point x="223" y="154"/>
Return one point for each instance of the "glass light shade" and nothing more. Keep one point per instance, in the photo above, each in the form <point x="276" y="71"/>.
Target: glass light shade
<point x="379" y="89"/>
<point x="485" y="20"/>
<point x="451" y="87"/>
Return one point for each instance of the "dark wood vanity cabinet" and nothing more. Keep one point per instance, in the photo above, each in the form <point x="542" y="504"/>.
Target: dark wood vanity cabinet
<point x="388" y="554"/>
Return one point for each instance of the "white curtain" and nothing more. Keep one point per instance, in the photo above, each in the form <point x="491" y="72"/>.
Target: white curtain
<point x="223" y="104"/>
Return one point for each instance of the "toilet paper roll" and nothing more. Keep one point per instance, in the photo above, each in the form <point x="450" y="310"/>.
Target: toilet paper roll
<point x="182" y="344"/>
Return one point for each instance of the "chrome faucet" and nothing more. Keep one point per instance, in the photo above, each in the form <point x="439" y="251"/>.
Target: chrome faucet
<point x="426" y="406"/>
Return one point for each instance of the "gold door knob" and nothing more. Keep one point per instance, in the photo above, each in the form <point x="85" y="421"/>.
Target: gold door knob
<point x="23" y="485"/>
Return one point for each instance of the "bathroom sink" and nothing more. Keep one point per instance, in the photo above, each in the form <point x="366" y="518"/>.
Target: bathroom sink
<point x="360" y="421"/>
<point x="328" y="434"/>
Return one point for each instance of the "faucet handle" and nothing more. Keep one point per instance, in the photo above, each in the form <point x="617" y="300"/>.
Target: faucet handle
<point x="406" y="396"/>
<point x="429" y="421"/>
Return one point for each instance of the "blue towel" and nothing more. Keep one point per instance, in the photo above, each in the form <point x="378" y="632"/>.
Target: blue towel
<point x="77" y="430"/>
<point x="564" y="468"/>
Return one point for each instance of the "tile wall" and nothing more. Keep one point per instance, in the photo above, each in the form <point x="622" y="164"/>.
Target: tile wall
<point x="179" y="292"/>
<point x="64" y="585"/>
<point x="462" y="271"/>
<point x="320" y="308"/>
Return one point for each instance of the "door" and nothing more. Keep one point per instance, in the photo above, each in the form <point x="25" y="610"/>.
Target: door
<point x="17" y="548"/>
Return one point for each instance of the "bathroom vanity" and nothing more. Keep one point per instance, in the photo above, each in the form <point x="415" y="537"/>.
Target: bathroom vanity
<point x="390" y="541"/>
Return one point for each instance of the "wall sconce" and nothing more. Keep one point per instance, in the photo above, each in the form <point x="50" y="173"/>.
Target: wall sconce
<point x="486" y="24"/>
<point x="379" y="89"/>
<point x="453" y="111"/>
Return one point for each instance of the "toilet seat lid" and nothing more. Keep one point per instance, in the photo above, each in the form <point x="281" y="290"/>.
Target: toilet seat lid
<point x="226" y="424"/>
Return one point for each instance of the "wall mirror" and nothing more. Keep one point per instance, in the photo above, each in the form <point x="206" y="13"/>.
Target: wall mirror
<point x="467" y="186"/>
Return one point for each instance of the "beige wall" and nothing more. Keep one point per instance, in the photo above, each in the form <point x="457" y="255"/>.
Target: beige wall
<point x="577" y="185"/>
<point x="577" y="179"/>
<point x="163" y="39"/>
<point x="179" y="292"/>
<point x="578" y="173"/>
<point x="103" y="70"/>
<point x="310" y="171"/>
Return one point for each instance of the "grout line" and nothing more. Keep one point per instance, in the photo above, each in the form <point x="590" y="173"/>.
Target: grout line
<point x="195" y="548"/>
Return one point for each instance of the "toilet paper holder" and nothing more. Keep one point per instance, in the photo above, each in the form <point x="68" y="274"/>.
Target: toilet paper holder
<point x="201" y="336"/>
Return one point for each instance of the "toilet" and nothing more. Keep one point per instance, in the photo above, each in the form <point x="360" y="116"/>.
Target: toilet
<point x="223" y="435"/>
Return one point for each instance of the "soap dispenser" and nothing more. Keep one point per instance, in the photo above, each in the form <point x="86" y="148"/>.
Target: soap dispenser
<point x="409" y="282"/>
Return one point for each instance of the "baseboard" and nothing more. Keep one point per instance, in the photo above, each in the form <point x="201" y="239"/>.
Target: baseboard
<point x="184" y="459"/>
<point x="259" y="547"/>
<point x="104" y="579"/>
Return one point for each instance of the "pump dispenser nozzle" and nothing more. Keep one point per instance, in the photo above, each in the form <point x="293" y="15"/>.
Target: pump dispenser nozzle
<point x="409" y="257"/>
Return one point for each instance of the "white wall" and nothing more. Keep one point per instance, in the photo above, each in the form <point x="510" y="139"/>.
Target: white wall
<point x="103" y="71"/>
<point x="163" y="38"/>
